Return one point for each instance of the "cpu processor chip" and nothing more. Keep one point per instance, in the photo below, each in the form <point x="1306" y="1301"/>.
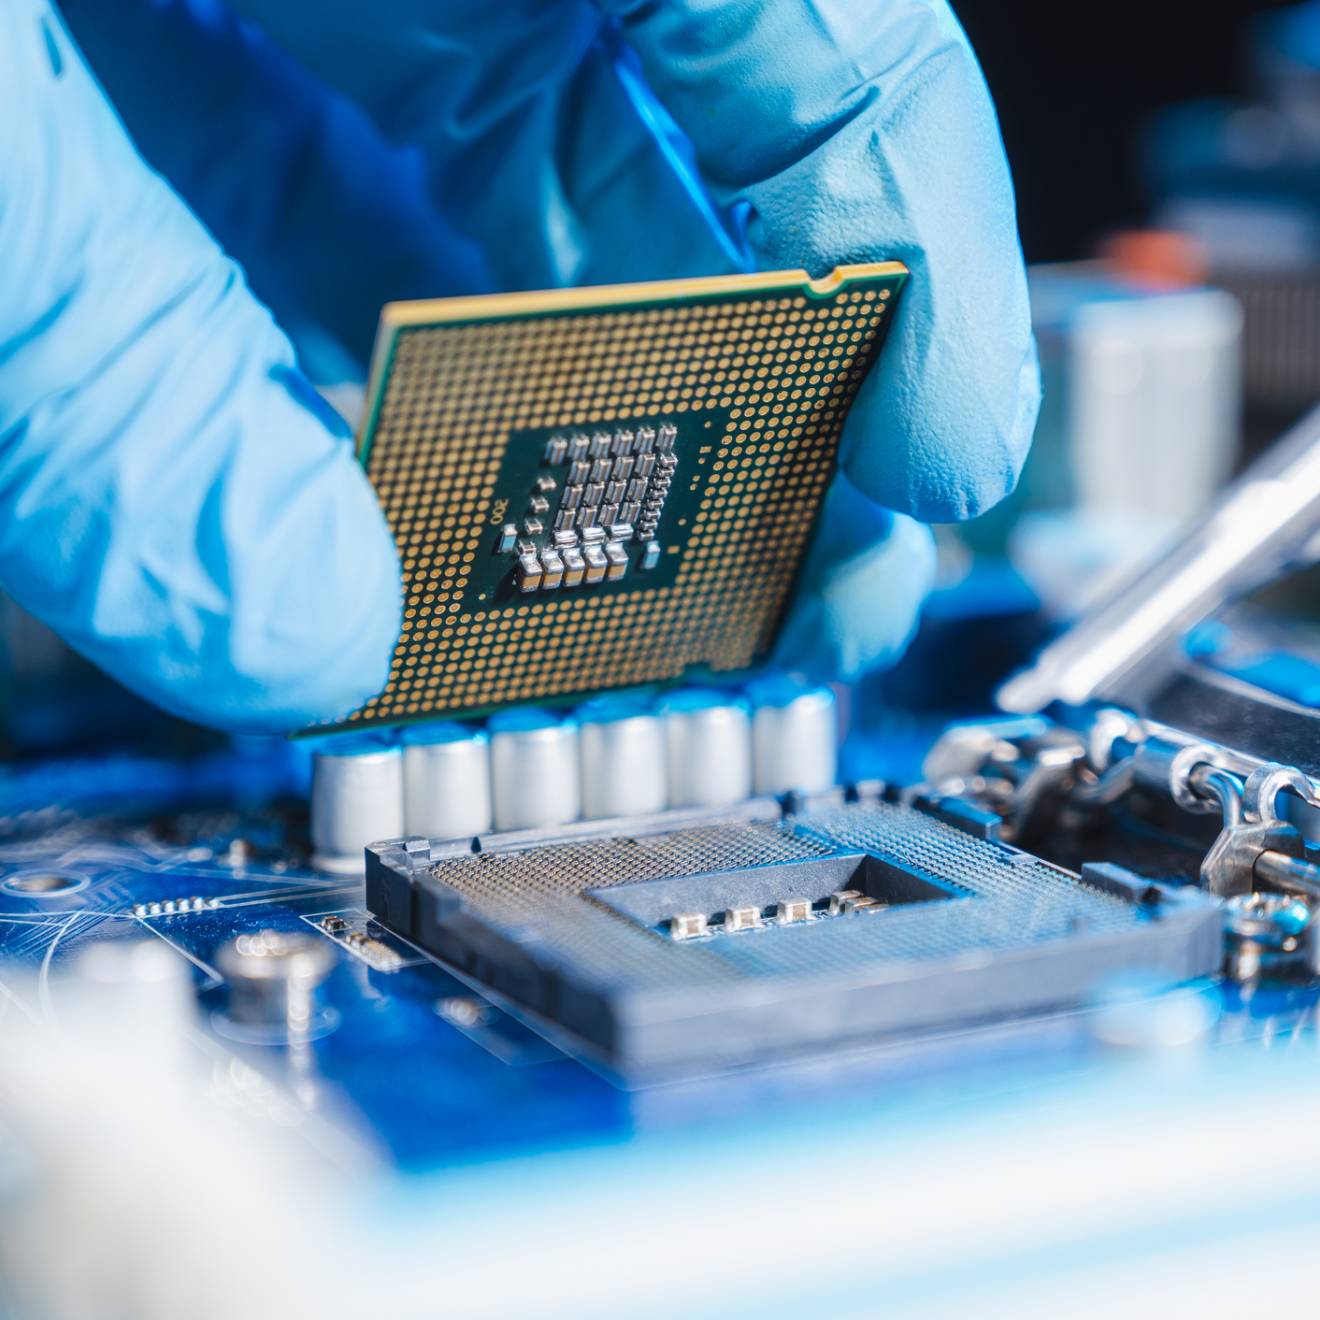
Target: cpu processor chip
<point x="606" y="487"/>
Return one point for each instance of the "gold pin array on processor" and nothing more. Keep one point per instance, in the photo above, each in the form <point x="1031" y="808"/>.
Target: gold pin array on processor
<point x="604" y="487"/>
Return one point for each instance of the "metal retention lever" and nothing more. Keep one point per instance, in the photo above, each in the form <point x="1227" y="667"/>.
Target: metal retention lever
<point x="1261" y="525"/>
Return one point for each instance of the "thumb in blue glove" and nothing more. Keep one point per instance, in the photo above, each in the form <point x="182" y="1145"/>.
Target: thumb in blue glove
<point x="848" y="131"/>
<point x="174" y="498"/>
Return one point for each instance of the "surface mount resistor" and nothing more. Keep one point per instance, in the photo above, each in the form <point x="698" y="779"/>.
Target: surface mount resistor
<point x="596" y="563"/>
<point x="529" y="571"/>
<point x="617" y="561"/>
<point x="575" y="567"/>
<point x="688" y="926"/>
<point x="552" y="567"/>
<point x="742" y="918"/>
<point x="793" y="910"/>
<point x="865" y="904"/>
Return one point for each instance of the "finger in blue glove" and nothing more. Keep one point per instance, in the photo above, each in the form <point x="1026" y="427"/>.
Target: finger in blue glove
<point x="174" y="498"/>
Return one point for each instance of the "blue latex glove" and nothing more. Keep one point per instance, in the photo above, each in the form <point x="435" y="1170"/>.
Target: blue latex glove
<point x="174" y="498"/>
<point x="348" y="154"/>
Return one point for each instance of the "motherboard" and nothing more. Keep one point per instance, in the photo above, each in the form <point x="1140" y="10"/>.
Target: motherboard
<point x="678" y="931"/>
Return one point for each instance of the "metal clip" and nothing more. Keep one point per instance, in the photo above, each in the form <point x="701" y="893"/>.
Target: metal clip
<point x="1266" y="782"/>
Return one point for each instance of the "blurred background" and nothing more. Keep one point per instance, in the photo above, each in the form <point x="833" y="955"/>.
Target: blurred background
<point x="1077" y="87"/>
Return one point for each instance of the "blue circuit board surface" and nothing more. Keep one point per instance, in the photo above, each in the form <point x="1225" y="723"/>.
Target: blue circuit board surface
<point x="196" y="852"/>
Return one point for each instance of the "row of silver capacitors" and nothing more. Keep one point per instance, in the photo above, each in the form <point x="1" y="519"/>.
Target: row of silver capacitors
<point x="533" y="769"/>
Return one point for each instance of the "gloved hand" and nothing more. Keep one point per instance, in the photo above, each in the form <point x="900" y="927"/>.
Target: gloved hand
<point x="350" y="154"/>
<point x="174" y="498"/>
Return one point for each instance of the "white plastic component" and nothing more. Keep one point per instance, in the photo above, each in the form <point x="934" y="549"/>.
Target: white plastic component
<point x="534" y="770"/>
<point x="446" y="781"/>
<point x="709" y="744"/>
<point x="623" y="759"/>
<point x="795" y="743"/>
<point x="1144" y="391"/>
<point x="357" y="799"/>
<point x="140" y="989"/>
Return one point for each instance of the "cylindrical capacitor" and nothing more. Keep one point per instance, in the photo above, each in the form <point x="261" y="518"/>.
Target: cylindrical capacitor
<point x="623" y="758"/>
<point x="357" y="798"/>
<point x="446" y="781"/>
<point x="709" y="745"/>
<point x="795" y="736"/>
<point x="273" y="976"/>
<point x="533" y="769"/>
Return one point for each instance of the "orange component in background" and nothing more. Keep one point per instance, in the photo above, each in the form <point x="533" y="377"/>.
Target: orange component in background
<point x="1159" y="258"/>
